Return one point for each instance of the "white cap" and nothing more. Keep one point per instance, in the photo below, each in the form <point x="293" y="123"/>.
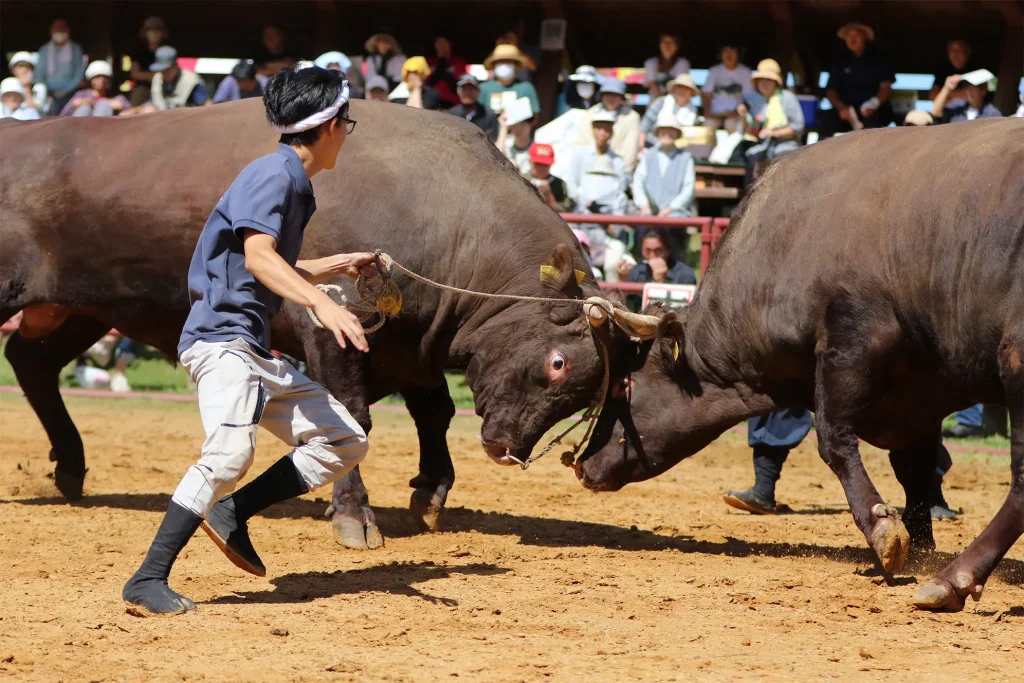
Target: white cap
<point x="668" y="119"/>
<point x="519" y="111"/>
<point x="602" y="115"/>
<point x="9" y="85"/>
<point x="23" y="56"/>
<point x="99" y="68"/>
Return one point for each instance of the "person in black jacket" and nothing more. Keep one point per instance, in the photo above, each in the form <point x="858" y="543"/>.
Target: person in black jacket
<point x="473" y="111"/>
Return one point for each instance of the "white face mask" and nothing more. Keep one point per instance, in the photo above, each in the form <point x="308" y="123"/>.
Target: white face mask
<point x="60" y="38"/>
<point x="585" y="90"/>
<point x="504" y="71"/>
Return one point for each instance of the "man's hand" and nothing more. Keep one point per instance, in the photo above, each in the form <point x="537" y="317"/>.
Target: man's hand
<point x="360" y="263"/>
<point x="645" y="210"/>
<point x="765" y="133"/>
<point x="666" y="211"/>
<point x="624" y="267"/>
<point x="340" y="322"/>
<point x="659" y="268"/>
<point x="844" y="113"/>
<point x="952" y="82"/>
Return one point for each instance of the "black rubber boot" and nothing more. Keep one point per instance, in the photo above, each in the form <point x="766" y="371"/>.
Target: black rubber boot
<point x="227" y="523"/>
<point x="147" y="590"/>
<point x="760" y="500"/>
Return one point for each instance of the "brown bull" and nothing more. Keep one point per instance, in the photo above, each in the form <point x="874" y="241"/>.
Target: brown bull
<point x="878" y="280"/>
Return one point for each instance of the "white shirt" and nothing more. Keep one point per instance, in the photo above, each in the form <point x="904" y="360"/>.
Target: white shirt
<point x="728" y="87"/>
<point x="22" y="113"/>
<point x="972" y="113"/>
<point x="682" y="66"/>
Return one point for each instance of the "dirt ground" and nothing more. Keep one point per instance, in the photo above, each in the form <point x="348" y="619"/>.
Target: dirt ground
<point x="533" y="578"/>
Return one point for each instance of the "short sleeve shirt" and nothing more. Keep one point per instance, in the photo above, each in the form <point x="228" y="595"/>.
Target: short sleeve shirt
<point x="272" y="195"/>
<point x="728" y="87"/>
<point x="857" y="79"/>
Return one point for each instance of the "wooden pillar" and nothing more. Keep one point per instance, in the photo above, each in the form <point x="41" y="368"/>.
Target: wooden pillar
<point x="1011" y="60"/>
<point x="327" y="31"/>
<point x="97" y="39"/>
<point x="546" y="78"/>
<point x="782" y="50"/>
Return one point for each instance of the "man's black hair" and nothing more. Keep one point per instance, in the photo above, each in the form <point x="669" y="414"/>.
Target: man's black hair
<point x="293" y="94"/>
<point x="245" y="70"/>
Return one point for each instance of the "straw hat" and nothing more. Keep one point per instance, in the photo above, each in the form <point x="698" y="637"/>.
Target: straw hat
<point x="918" y="118"/>
<point x="770" y="69"/>
<point x="668" y="119"/>
<point x="503" y="53"/>
<point x="869" y="32"/>
<point x="685" y="80"/>
<point x="371" y="42"/>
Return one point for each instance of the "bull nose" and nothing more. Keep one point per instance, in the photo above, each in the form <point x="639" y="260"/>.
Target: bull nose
<point x="501" y="454"/>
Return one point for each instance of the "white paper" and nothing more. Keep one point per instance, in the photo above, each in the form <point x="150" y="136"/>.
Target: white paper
<point x="978" y="77"/>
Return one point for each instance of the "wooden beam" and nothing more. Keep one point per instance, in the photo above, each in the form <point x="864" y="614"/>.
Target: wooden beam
<point x="782" y="50"/>
<point x="327" y="31"/>
<point x="1011" y="59"/>
<point x="550" y="67"/>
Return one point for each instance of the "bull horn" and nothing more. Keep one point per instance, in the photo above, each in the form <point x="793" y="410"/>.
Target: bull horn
<point x="636" y="325"/>
<point x="598" y="310"/>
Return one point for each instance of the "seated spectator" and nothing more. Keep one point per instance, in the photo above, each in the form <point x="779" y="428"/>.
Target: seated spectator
<point x="918" y="118"/>
<point x="514" y="36"/>
<point x="658" y="264"/>
<point x="859" y="86"/>
<point x="597" y="175"/>
<point x="416" y="92"/>
<point x="973" y="107"/>
<point x="679" y="102"/>
<point x="377" y="88"/>
<point x="778" y="122"/>
<point x="505" y="88"/>
<point x="626" y="139"/>
<point x="60" y="66"/>
<point x="472" y="110"/>
<point x="273" y="53"/>
<point x="664" y="181"/>
<point x="335" y="61"/>
<point x="658" y="71"/>
<point x="99" y="99"/>
<point x="581" y="88"/>
<point x="727" y="83"/>
<point x="152" y="35"/>
<point x="958" y="61"/>
<point x="12" y="101"/>
<point x="552" y="189"/>
<point x="174" y="87"/>
<point x="445" y="71"/>
<point x="515" y="134"/>
<point x="384" y="58"/>
<point x="23" y="66"/>
<point x="241" y="84"/>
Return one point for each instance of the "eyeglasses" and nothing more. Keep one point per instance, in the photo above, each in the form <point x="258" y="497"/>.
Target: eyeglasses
<point x="350" y="122"/>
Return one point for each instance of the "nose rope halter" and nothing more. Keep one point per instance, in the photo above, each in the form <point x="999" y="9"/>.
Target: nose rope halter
<point x="381" y="296"/>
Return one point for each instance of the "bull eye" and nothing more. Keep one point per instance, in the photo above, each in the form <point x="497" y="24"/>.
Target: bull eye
<point x="558" y="362"/>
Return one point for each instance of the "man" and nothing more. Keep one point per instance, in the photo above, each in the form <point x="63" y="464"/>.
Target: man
<point x="241" y="84"/>
<point x="597" y="175"/>
<point x="973" y="106"/>
<point x="859" y="86"/>
<point x="471" y="109"/>
<point x="244" y="265"/>
<point x="377" y="88"/>
<point x="273" y="54"/>
<point x="446" y="70"/>
<point x="12" y="101"/>
<point x="23" y="68"/>
<point x="505" y="88"/>
<point x="664" y="182"/>
<point x="678" y="102"/>
<point x="970" y="423"/>
<point x="958" y="61"/>
<point x="625" y="140"/>
<point x="658" y="264"/>
<point x="552" y="189"/>
<point x="174" y="87"/>
<point x="727" y="84"/>
<point x="60" y="66"/>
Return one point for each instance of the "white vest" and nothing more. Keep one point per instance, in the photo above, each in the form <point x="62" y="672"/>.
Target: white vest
<point x="187" y="81"/>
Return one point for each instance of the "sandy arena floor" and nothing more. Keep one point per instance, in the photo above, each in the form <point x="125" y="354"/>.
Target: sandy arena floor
<point x="532" y="579"/>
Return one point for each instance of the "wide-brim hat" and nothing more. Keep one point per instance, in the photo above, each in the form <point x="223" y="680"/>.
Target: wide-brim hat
<point x="918" y="118"/>
<point x="586" y="74"/>
<point x="503" y="53"/>
<point x="334" y="57"/>
<point x="371" y="42"/>
<point x="22" y="57"/>
<point x="685" y="80"/>
<point x="602" y="115"/>
<point x="602" y="166"/>
<point x="869" y="32"/>
<point x="769" y="69"/>
<point x="667" y="119"/>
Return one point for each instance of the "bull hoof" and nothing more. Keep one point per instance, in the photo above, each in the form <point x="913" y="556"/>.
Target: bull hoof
<point x="69" y="484"/>
<point x="940" y="594"/>
<point x="355" y="534"/>
<point x="425" y="505"/>
<point x="889" y="538"/>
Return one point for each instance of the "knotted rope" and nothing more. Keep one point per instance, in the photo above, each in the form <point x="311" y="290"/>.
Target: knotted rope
<point x="380" y="295"/>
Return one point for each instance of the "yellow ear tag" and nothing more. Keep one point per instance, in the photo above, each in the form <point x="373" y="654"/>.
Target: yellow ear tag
<point x="549" y="275"/>
<point x="579" y="277"/>
<point x="675" y="350"/>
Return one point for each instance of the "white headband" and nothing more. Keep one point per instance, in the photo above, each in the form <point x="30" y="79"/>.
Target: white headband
<point x="319" y="117"/>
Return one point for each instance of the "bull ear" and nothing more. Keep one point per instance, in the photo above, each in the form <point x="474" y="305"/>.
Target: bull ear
<point x="560" y="275"/>
<point x="671" y="329"/>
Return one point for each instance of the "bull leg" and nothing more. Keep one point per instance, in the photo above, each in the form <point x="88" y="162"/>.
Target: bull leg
<point x="967" y="574"/>
<point x="342" y="372"/>
<point x="915" y="470"/>
<point x="37" y="364"/>
<point x="858" y="338"/>
<point x="432" y="409"/>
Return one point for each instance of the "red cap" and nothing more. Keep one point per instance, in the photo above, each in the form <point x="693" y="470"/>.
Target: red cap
<point x="542" y="154"/>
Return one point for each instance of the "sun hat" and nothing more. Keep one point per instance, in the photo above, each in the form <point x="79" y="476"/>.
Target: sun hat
<point x="371" y="42"/>
<point x="377" y="83"/>
<point x="685" y="80"/>
<point x="153" y="22"/>
<point x="503" y="53"/>
<point x="11" y="85"/>
<point x="166" y="57"/>
<point x="869" y="32"/>
<point x="586" y="74"/>
<point x="918" y="118"/>
<point x="602" y="166"/>
<point x="613" y="85"/>
<point x="22" y="57"/>
<point x="519" y="111"/>
<point x="668" y="119"/>
<point x="99" y="68"/>
<point x="335" y="57"/>
<point x="468" y="79"/>
<point x="769" y="69"/>
<point x="415" y="65"/>
<point x="541" y="153"/>
<point x="602" y="115"/>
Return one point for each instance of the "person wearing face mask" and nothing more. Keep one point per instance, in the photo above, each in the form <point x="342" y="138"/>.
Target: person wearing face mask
<point x="152" y="35"/>
<point x="625" y="141"/>
<point x="859" y="86"/>
<point x="777" y="124"/>
<point x="581" y="88"/>
<point x="679" y="101"/>
<point x="61" y="65"/>
<point x="505" y="88"/>
<point x="23" y="66"/>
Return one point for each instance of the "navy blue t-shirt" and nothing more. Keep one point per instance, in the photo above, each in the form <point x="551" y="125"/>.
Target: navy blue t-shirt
<point x="857" y="79"/>
<point x="271" y="195"/>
